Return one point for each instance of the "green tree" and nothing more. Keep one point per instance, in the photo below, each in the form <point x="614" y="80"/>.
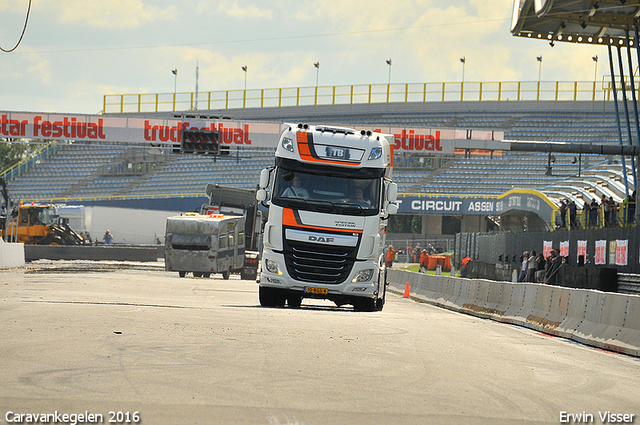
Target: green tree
<point x="405" y="224"/>
<point x="12" y="152"/>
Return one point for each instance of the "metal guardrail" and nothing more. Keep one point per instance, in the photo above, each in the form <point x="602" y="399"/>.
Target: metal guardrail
<point x="359" y="94"/>
<point x="629" y="283"/>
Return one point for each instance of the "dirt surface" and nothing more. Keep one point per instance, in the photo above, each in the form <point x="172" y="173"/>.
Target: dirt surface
<point x="121" y="338"/>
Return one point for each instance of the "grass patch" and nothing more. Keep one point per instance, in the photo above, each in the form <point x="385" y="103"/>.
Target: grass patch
<point x="416" y="268"/>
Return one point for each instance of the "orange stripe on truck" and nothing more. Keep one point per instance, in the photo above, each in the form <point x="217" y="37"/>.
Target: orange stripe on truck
<point x="305" y="142"/>
<point x="289" y="219"/>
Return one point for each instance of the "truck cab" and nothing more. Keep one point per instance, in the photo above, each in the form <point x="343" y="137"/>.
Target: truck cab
<point x="330" y="198"/>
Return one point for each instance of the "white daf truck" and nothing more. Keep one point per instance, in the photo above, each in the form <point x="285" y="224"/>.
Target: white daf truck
<point x="330" y="198"/>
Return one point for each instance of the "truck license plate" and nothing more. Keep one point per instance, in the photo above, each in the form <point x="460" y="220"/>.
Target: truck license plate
<point x="312" y="290"/>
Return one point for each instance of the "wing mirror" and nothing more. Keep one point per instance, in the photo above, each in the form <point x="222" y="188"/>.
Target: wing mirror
<point x="264" y="178"/>
<point x="392" y="192"/>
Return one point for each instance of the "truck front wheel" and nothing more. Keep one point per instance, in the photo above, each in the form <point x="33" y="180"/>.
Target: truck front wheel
<point x="294" y="301"/>
<point x="271" y="297"/>
<point x="364" y="304"/>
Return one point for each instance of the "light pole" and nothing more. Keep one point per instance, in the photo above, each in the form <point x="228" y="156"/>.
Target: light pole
<point x="317" y="65"/>
<point x="389" y="63"/>
<point x="464" y="61"/>
<point x="539" y="59"/>
<point x="595" y="72"/>
<point x="244" y="94"/>
<point x="244" y="68"/>
<point x="175" y="80"/>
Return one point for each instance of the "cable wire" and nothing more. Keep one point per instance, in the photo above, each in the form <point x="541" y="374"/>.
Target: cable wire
<point x="26" y="20"/>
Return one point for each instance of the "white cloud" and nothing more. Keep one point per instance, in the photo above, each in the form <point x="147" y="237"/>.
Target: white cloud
<point x="234" y="9"/>
<point x="39" y="69"/>
<point x="109" y="13"/>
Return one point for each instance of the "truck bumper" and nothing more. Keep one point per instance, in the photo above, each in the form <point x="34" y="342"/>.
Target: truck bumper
<point x="279" y="278"/>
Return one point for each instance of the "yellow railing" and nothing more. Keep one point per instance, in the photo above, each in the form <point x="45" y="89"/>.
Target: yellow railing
<point x="359" y="94"/>
<point x="623" y="216"/>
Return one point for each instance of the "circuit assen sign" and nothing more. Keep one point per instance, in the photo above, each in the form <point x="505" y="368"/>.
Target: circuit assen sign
<point x="522" y="200"/>
<point x="97" y="128"/>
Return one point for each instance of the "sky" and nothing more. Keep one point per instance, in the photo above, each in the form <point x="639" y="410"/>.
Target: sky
<point x="75" y="51"/>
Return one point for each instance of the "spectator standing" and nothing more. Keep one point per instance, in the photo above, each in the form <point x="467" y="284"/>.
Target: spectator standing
<point x="540" y="265"/>
<point x="532" y="267"/>
<point x="613" y="209"/>
<point x="108" y="238"/>
<point x="563" y="213"/>
<point x="606" y="207"/>
<point x="553" y="263"/>
<point x="573" y="214"/>
<point x="390" y="256"/>
<point x="523" y="266"/>
<point x="593" y="213"/>
<point x="424" y="261"/>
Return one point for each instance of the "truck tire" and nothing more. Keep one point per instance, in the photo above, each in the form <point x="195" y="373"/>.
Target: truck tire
<point x="364" y="304"/>
<point x="182" y="274"/>
<point x="271" y="297"/>
<point x="294" y="301"/>
<point x="380" y="301"/>
<point x="197" y="274"/>
<point x="226" y="274"/>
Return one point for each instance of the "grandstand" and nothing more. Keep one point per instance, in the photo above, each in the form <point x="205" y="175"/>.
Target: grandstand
<point x="85" y="173"/>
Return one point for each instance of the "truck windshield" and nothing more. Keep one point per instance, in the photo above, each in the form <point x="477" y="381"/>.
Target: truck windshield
<point x="316" y="192"/>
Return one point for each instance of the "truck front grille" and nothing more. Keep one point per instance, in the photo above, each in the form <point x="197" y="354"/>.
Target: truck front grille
<point x="318" y="263"/>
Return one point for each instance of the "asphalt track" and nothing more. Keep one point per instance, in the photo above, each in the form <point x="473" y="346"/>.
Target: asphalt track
<point x="100" y="337"/>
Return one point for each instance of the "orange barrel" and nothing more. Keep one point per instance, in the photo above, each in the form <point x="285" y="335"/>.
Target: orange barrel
<point x="447" y="263"/>
<point x="433" y="262"/>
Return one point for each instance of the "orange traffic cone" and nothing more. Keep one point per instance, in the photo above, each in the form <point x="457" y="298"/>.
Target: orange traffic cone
<point x="406" y="291"/>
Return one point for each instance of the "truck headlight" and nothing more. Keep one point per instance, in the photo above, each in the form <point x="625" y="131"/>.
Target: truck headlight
<point x="363" y="276"/>
<point x="272" y="267"/>
<point x="376" y="153"/>
<point x="287" y="144"/>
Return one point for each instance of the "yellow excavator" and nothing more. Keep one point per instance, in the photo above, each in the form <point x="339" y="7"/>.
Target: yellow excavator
<point x="35" y="224"/>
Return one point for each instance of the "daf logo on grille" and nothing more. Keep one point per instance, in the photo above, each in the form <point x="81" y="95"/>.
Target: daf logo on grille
<point x="320" y="239"/>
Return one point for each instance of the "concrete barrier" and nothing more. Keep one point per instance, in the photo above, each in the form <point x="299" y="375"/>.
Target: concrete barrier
<point x="558" y="310"/>
<point x="606" y="320"/>
<point x="628" y="339"/>
<point x="523" y="301"/>
<point x="11" y="255"/>
<point x="537" y="319"/>
<point x="460" y="293"/>
<point x="592" y="314"/>
<point x="92" y="252"/>
<point x="478" y="296"/>
<point x="494" y="307"/>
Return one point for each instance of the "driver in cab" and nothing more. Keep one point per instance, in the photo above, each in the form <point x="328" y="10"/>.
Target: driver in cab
<point x="296" y="190"/>
<point x="358" y="198"/>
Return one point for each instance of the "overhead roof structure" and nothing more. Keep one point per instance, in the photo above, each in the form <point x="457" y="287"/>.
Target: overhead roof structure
<point x="601" y="22"/>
